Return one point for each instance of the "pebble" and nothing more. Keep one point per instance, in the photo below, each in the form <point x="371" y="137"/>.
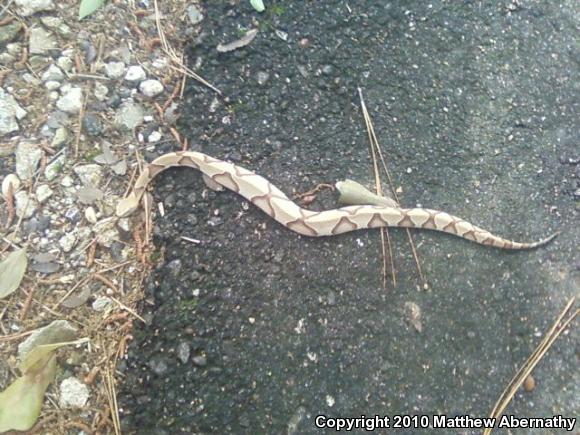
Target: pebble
<point x="262" y="77"/>
<point x="151" y="88"/>
<point x="72" y="101"/>
<point x="135" y="74"/>
<point x="68" y="241"/>
<point x="92" y="125"/>
<point x="155" y="136"/>
<point x="90" y="175"/>
<point x="53" y="72"/>
<point x="9" y="32"/>
<point x="26" y="205"/>
<point x="73" y="393"/>
<point x="40" y="41"/>
<point x="91" y="215"/>
<point x="55" y="167"/>
<point x="10" y="112"/>
<point x="183" y="351"/>
<point x="200" y="360"/>
<point x="59" y="139"/>
<point x="30" y="7"/>
<point x="52" y="86"/>
<point x="194" y="14"/>
<point x="101" y="91"/>
<point x="65" y="63"/>
<point x="158" y="365"/>
<point x="43" y="192"/>
<point x="129" y="115"/>
<point x="106" y="232"/>
<point x="10" y="179"/>
<point x="101" y="303"/>
<point x="114" y="70"/>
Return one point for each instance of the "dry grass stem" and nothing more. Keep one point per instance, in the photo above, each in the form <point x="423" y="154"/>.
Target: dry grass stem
<point x="516" y="382"/>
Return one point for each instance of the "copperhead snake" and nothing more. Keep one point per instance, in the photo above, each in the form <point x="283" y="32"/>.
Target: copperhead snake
<point x="277" y="205"/>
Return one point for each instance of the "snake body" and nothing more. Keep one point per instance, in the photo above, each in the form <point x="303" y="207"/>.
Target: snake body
<point x="277" y="205"/>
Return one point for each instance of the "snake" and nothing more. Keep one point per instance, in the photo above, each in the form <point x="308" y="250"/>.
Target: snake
<point x="272" y="201"/>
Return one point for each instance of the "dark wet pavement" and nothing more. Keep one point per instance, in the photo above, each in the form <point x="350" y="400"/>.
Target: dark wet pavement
<point x="259" y="330"/>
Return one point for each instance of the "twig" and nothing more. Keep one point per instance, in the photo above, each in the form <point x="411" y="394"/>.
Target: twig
<point x="531" y="363"/>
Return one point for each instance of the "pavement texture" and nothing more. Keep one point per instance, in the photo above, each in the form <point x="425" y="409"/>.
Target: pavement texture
<point x="259" y="330"/>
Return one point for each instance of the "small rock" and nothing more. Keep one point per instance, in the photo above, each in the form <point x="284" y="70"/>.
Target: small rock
<point x="40" y="41"/>
<point x="10" y="112"/>
<point x="10" y="179"/>
<point x="51" y="22"/>
<point x="73" y="214"/>
<point x="9" y="31"/>
<point x="101" y="303"/>
<point x="59" y="139"/>
<point x="183" y="351"/>
<point x="92" y="125"/>
<point x="72" y="101"/>
<point x="129" y="115"/>
<point x="67" y="181"/>
<point x="200" y="360"/>
<point x="28" y="155"/>
<point x="262" y="77"/>
<point x="56" y="332"/>
<point x="53" y="73"/>
<point x="68" y="241"/>
<point x="52" y="86"/>
<point x="91" y="215"/>
<point x="158" y="365"/>
<point x="154" y="137"/>
<point x="65" y="63"/>
<point x="43" y="192"/>
<point x="114" y="70"/>
<point x="151" y="88"/>
<point x="194" y="14"/>
<point x="73" y="393"/>
<point x="135" y="74"/>
<point x="26" y="205"/>
<point x="55" y="167"/>
<point x="106" y="232"/>
<point x="90" y="175"/>
<point x="30" y="7"/>
<point x="89" y="195"/>
<point x="101" y="91"/>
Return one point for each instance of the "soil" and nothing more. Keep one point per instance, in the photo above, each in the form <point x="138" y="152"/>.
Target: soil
<point x="258" y="330"/>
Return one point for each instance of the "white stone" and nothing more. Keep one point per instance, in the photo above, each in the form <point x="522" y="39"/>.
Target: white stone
<point x="155" y="136"/>
<point x="151" y="88"/>
<point x="90" y="175"/>
<point x="135" y="74"/>
<point x="101" y="303"/>
<point x="55" y="167"/>
<point x="40" y="41"/>
<point x="101" y="91"/>
<point x="26" y="204"/>
<point x="30" y="7"/>
<point x="114" y="70"/>
<point x="65" y="63"/>
<point x="53" y="72"/>
<point x="68" y="241"/>
<point x="67" y="181"/>
<point x="71" y="101"/>
<point x="52" y="85"/>
<point x="43" y="192"/>
<point x="28" y="155"/>
<point x="194" y="14"/>
<point x="91" y="215"/>
<point x="10" y="179"/>
<point x="60" y="137"/>
<point x="10" y="112"/>
<point x="106" y="232"/>
<point x="73" y="393"/>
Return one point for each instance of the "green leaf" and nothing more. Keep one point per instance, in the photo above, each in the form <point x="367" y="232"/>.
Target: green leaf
<point x="21" y="402"/>
<point x="12" y="271"/>
<point x="87" y="7"/>
<point x="258" y="5"/>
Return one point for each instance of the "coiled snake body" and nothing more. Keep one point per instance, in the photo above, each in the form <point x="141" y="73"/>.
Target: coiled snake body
<point x="276" y="204"/>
